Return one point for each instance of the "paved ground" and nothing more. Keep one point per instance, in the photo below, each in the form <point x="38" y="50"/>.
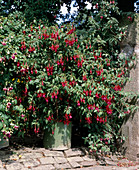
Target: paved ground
<point x="43" y="159"/>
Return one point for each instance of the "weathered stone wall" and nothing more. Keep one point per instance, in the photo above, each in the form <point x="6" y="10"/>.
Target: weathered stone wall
<point x="131" y="126"/>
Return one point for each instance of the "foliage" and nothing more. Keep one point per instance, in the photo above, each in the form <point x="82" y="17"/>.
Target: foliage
<point x="51" y="73"/>
<point x="32" y="9"/>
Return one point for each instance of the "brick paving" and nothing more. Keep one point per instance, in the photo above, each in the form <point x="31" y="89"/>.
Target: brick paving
<point x="44" y="159"/>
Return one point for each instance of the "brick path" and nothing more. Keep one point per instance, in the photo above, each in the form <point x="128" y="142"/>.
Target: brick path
<point x="43" y="159"/>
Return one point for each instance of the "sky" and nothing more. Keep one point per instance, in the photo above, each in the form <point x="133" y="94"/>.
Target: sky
<point x="75" y="9"/>
<point x="64" y="10"/>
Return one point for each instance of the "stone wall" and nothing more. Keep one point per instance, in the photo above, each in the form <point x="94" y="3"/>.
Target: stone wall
<point x="130" y="127"/>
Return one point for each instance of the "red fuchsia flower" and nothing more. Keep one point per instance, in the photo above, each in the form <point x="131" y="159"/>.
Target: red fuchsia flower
<point x="33" y="108"/>
<point x="75" y="57"/>
<point x="99" y="72"/>
<point x="30" y="107"/>
<point x="22" y="69"/>
<point x="82" y="100"/>
<point x="109" y="111"/>
<point x="8" y="105"/>
<point x="29" y="35"/>
<point x="23" y="47"/>
<point x="8" y="134"/>
<point x="95" y="57"/>
<point x="48" y="74"/>
<point x="42" y="83"/>
<point x="112" y="2"/>
<point x="108" y="101"/>
<point x="84" y="78"/>
<point x="39" y="94"/>
<point x="22" y="115"/>
<point x="101" y="119"/>
<point x="1" y="59"/>
<point x="54" y="95"/>
<point x="13" y="57"/>
<point x="31" y="28"/>
<point x="25" y="92"/>
<point x="3" y="43"/>
<point x="29" y="78"/>
<point x="5" y="89"/>
<point x="50" y="118"/>
<point x="61" y="61"/>
<point x="79" y="63"/>
<point x="10" y="88"/>
<point x="19" y="100"/>
<point x="58" y="63"/>
<point x="70" y="42"/>
<point x="130" y="18"/>
<point x="31" y="71"/>
<point x="97" y="108"/>
<point x="90" y="107"/>
<point x="103" y="78"/>
<point x="47" y="99"/>
<point x="43" y="95"/>
<point x="71" y="31"/>
<point x="18" y="64"/>
<point x="101" y="17"/>
<point x="67" y="117"/>
<point x="117" y="88"/>
<point x="90" y="92"/>
<point x="45" y="36"/>
<point x="127" y="112"/>
<point x="86" y="92"/>
<point x="103" y="97"/>
<point x="72" y="83"/>
<point x="24" y="32"/>
<point x="96" y="6"/>
<point x="97" y="95"/>
<point x="36" y="130"/>
<point x="54" y="36"/>
<point x="122" y="73"/>
<point x="31" y="49"/>
<point x="78" y="103"/>
<point x="16" y="127"/>
<point x="89" y="120"/>
<point x="35" y="71"/>
<point x="78" y="46"/>
<point x="64" y="83"/>
<point x="54" y="47"/>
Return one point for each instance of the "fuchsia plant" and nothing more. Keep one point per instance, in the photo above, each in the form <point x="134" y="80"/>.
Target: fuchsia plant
<point x="50" y="75"/>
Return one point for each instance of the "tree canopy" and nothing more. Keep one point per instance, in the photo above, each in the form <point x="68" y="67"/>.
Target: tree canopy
<point x="48" y="10"/>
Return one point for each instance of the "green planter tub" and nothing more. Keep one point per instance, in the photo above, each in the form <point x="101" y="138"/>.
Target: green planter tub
<point x="60" y="140"/>
<point x="3" y="142"/>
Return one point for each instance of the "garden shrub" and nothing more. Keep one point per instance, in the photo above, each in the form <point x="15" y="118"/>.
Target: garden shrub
<point x="50" y="74"/>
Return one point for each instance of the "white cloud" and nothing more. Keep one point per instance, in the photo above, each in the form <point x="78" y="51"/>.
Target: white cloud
<point x="63" y="9"/>
<point x="89" y="5"/>
<point x="73" y="10"/>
